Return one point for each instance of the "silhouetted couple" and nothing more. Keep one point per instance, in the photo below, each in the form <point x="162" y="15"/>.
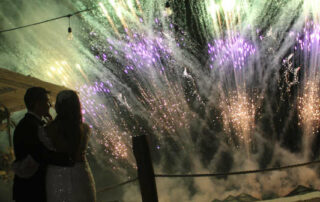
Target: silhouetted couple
<point x="51" y="160"/>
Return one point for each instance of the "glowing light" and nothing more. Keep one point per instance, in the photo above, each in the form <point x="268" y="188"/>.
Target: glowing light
<point x="239" y="113"/>
<point x="139" y="5"/>
<point x="213" y="8"/>
<point x="312" y="8"/>
<point x="112" y="3"/>
<point x="234" y="50"/>
<point x="130" y="4"/>
<point x="309" y="108"/>
<point x="228" y="5"/>
<point x="132" y="9"/>
<point x="140" y="53"/>
<point x="168" y="11"/>
<point x="50" y="74"/>
<point x="118" y="9"/>
<point x="104" y="10"/>
<point x="53" y="68"/>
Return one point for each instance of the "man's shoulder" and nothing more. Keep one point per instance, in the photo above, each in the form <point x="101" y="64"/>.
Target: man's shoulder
<point x="22" y="122"/>
<point x="26" y="123"/>
<point x="26" y="120"/>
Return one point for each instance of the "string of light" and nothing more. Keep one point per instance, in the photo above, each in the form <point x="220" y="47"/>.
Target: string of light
<point x="64" y="16"/>
<point x="49" y="20"/>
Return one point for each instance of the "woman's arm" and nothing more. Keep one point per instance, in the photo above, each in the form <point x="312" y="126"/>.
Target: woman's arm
<point x="49" y="152"/>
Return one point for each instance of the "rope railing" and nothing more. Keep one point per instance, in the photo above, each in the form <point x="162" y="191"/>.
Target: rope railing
<point x="241" y="172"/>
<point x="115" y="186"/>
<point x="214" y="174"/>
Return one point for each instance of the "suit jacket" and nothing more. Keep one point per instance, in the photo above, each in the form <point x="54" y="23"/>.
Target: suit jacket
<point x="26" y="142"/>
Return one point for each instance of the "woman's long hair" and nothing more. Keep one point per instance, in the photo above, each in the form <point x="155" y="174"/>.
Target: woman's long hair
<point x="69" y="119"/>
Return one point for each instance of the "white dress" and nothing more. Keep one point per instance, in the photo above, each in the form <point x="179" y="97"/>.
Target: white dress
<point x="69" y="184"/>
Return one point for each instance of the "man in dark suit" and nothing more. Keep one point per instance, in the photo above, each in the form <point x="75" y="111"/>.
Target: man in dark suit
<point x="27" y="145"/>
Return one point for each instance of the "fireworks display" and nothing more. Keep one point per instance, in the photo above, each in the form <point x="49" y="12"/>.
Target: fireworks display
<point x="234" y="51"/>
<point x="309" y="107"/>
<point x="308" y="102"/>
<point x="200" y="82"/>
<point x="239" y="114"/>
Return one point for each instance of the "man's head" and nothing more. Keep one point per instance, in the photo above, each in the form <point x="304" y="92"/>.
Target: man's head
<point x="36" y="100"/>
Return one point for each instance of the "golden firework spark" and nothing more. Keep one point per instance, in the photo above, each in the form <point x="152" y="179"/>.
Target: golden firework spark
<point x="309" y="107"/>
<point x="239" y="113"/>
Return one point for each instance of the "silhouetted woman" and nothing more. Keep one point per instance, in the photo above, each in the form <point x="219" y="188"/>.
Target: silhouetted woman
<point x="67" y="133"/>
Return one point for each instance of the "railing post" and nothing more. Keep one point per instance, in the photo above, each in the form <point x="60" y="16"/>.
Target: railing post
<point x="146" y="177"/>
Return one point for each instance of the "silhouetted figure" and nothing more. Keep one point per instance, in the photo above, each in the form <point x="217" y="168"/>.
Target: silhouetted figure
<point x="32" y="157"/>
<point x="68" y="134"/>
